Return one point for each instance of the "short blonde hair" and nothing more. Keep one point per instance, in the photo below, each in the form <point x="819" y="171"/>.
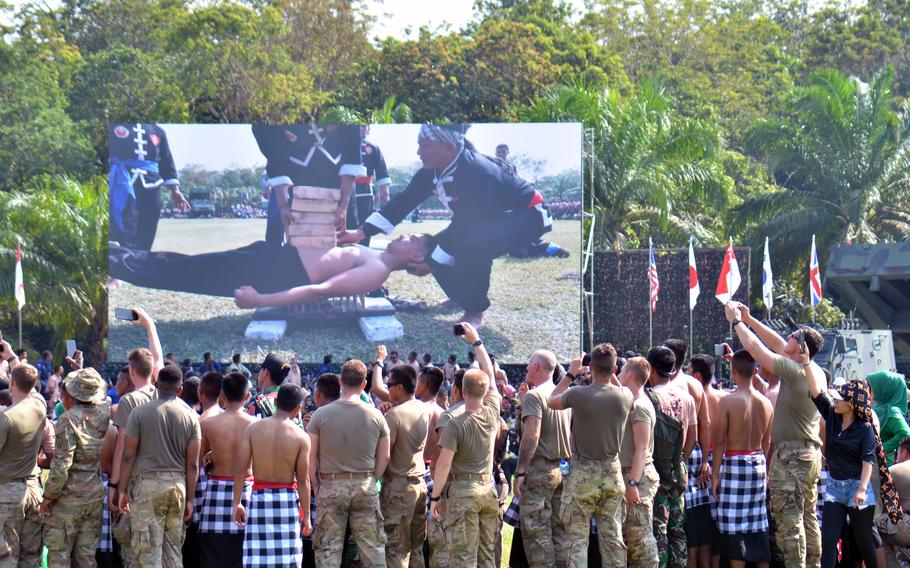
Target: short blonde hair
<point x="639" y="368"/>
<point x="475" y="383"/>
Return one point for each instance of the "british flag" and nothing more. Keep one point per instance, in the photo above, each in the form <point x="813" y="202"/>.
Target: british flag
<point x="815" y="279"/>
<point x="653" y="282"/>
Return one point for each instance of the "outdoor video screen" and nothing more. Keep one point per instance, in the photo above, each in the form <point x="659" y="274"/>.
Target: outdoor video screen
<point x="236" y="238"/>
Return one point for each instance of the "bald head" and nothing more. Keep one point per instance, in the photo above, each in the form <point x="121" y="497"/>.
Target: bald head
<point x="541" y="366"/>
<point x="475" y="384"/>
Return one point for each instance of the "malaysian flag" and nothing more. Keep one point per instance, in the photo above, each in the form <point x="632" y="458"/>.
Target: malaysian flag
<point x="653" y="282"/>
<point x="815" y="281"/>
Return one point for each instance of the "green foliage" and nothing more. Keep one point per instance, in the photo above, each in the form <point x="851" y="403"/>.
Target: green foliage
<point x="63" y="228"/>
<point x="841" y="157"/>
<point x="655" y="171"/>
<point x="791" y="302"/>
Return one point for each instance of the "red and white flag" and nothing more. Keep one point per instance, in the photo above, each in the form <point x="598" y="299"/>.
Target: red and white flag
<point x="815" y="278"/>
<point x="729" y="280"/>
<point x="694" y="289"/>
<point x="20" y="284"/>
<point x="653" y="282"/>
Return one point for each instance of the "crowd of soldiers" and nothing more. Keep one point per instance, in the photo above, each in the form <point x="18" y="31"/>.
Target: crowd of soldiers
<point x="663" y="467"/>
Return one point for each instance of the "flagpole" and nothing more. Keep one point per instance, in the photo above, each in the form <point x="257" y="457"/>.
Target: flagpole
<point x="650" y="322"/>
<point x="730" y="288"/>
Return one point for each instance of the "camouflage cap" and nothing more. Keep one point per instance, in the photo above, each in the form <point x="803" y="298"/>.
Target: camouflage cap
<point x="85" y="385"/>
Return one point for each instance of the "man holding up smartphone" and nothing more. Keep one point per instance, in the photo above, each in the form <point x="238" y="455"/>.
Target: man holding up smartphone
<point x="795" y="438"/>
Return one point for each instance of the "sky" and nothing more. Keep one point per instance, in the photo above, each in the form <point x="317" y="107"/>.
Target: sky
<point x="220" y="146"/>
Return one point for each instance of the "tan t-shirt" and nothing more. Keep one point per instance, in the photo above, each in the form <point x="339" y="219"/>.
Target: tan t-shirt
<point x="795" y="415"/>
<point x="598" y="419"/>
<point x="901" y="474"/>
<point x="348" y="431"/>
<point x="642" y="411"/>
<point x="130" y="401"/>
<point x="555" y="425"/>
<point x="21" y="432"/>
<point x="164" y="428"/>
<point x="472" y="437"/>
<point x="451" y="412"/>
<point x="408" y="425"/>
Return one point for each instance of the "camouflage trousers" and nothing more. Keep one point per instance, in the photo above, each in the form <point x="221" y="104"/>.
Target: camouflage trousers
<point x="669" y="527"/>
<point x="545" y="538"/>
<point x="896" y="539"/>
<point x="638" y="528"/>
<point x="404" y="510"/>
<point x="120" y="530"/>
<point x="340" y="502"/>
<point x="20" y="523"/>
<point x="471" y="523"/>
<point x="157" y="502"/>
<point x="793" y="486"/>
<point x="594" y="488"/>
<point x="439" y="551"/>
<point x="71" y="534"/>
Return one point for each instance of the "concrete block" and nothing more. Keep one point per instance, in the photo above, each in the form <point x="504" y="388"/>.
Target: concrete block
<point x="322" y="230"/>
<point x="313" y="242"/>
<point x="314" y="205"/>
<point x="313" y="218"/>
<point x="377" y="329"/>
<point x="269" y="330"/>
<point x="309" y="192"/>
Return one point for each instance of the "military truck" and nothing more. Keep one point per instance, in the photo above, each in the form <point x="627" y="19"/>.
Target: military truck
<point x="202" y="203"/>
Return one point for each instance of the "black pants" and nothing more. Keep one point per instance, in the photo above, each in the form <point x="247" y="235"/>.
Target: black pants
<point x="861" y="523"/>
<point x="359" y="208"/>
<point x="468" y="280"/>
<point x="221" y="550"/>
<point x="140" y="219"/>
<point x="266" y="267"/>
<point x="274" y="225"/>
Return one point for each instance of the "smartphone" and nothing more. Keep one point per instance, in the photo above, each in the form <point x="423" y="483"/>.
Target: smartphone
<point x="70" y="347"/>
<point x="586" y="361"/>
<point x="802" y="342"/>
<point x="458" y="329"/>
<point x="125" y="314"/>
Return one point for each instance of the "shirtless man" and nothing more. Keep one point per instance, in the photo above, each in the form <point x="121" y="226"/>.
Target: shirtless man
<point x="220" y="540"/>
<point x="280" y="453"/>
<point x="208" y="392"/>
<point x="742" y="437"/>
<point x="273" y="275"/>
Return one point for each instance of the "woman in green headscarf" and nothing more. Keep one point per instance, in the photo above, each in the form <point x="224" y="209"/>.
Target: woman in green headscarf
<point x="890" y="391"/>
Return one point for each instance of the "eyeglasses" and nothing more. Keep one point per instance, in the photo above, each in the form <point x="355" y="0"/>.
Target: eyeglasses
<point x="394" y="385"/>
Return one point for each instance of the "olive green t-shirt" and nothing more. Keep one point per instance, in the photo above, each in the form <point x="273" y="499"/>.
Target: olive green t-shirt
<point x="555" y="425"/>
<point x="21" y="432"/>
<point x="130" y="401"/>
<point x="599" y="414"/>
<point x="408" y="425"/>
<point x="642" y="411"/>
<point x="164" y="428"/>
<point x="451" y="412"/>
<point x="348" y="431"/>
<point x="795" y="416"/>
<point x="472" y="437"/>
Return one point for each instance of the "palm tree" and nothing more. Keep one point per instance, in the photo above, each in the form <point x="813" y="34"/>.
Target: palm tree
<point x="841" y="160"/>
<point x="388" y="113"/>
<point x="63" y="228"/>
<point x="654" y="171"/>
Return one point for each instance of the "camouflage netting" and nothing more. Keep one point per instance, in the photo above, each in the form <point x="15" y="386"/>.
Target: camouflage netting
<point x="621" y="297"/>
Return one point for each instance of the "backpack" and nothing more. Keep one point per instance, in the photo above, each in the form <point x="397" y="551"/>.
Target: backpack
<point x="668" y="442"/>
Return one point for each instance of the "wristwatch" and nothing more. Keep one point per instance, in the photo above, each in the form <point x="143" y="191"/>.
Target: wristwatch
<point x="571" y="377"/>
<point x="377" y="363"/>
<point x="477" y="343"/>
<point x="736" y="322"/>
<point x="520" y="474"/>
<point x="632" y="483"/>
<point x="435" y="498"/>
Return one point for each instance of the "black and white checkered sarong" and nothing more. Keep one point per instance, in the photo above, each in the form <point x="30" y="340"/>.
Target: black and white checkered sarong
<point x="272" y="536"/>
<point x="822" y="485"/>
<point x="428" y="479"/>
<point x="218" y="507"/>
<point x="513" y="514"/>
<point x="742" y="503"/>
<point x="696" y="496"/>
<point x="105" y="543"/>
<point x="198" y="498"/>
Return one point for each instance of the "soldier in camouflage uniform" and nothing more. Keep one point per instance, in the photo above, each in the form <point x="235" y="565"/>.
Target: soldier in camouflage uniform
<point x="538" y="478"/>
<point x="595" y="486"/>
<point x="73" y="491"/>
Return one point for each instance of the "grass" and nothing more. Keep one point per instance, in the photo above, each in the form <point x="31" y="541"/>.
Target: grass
<point x="535" y="305"/>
